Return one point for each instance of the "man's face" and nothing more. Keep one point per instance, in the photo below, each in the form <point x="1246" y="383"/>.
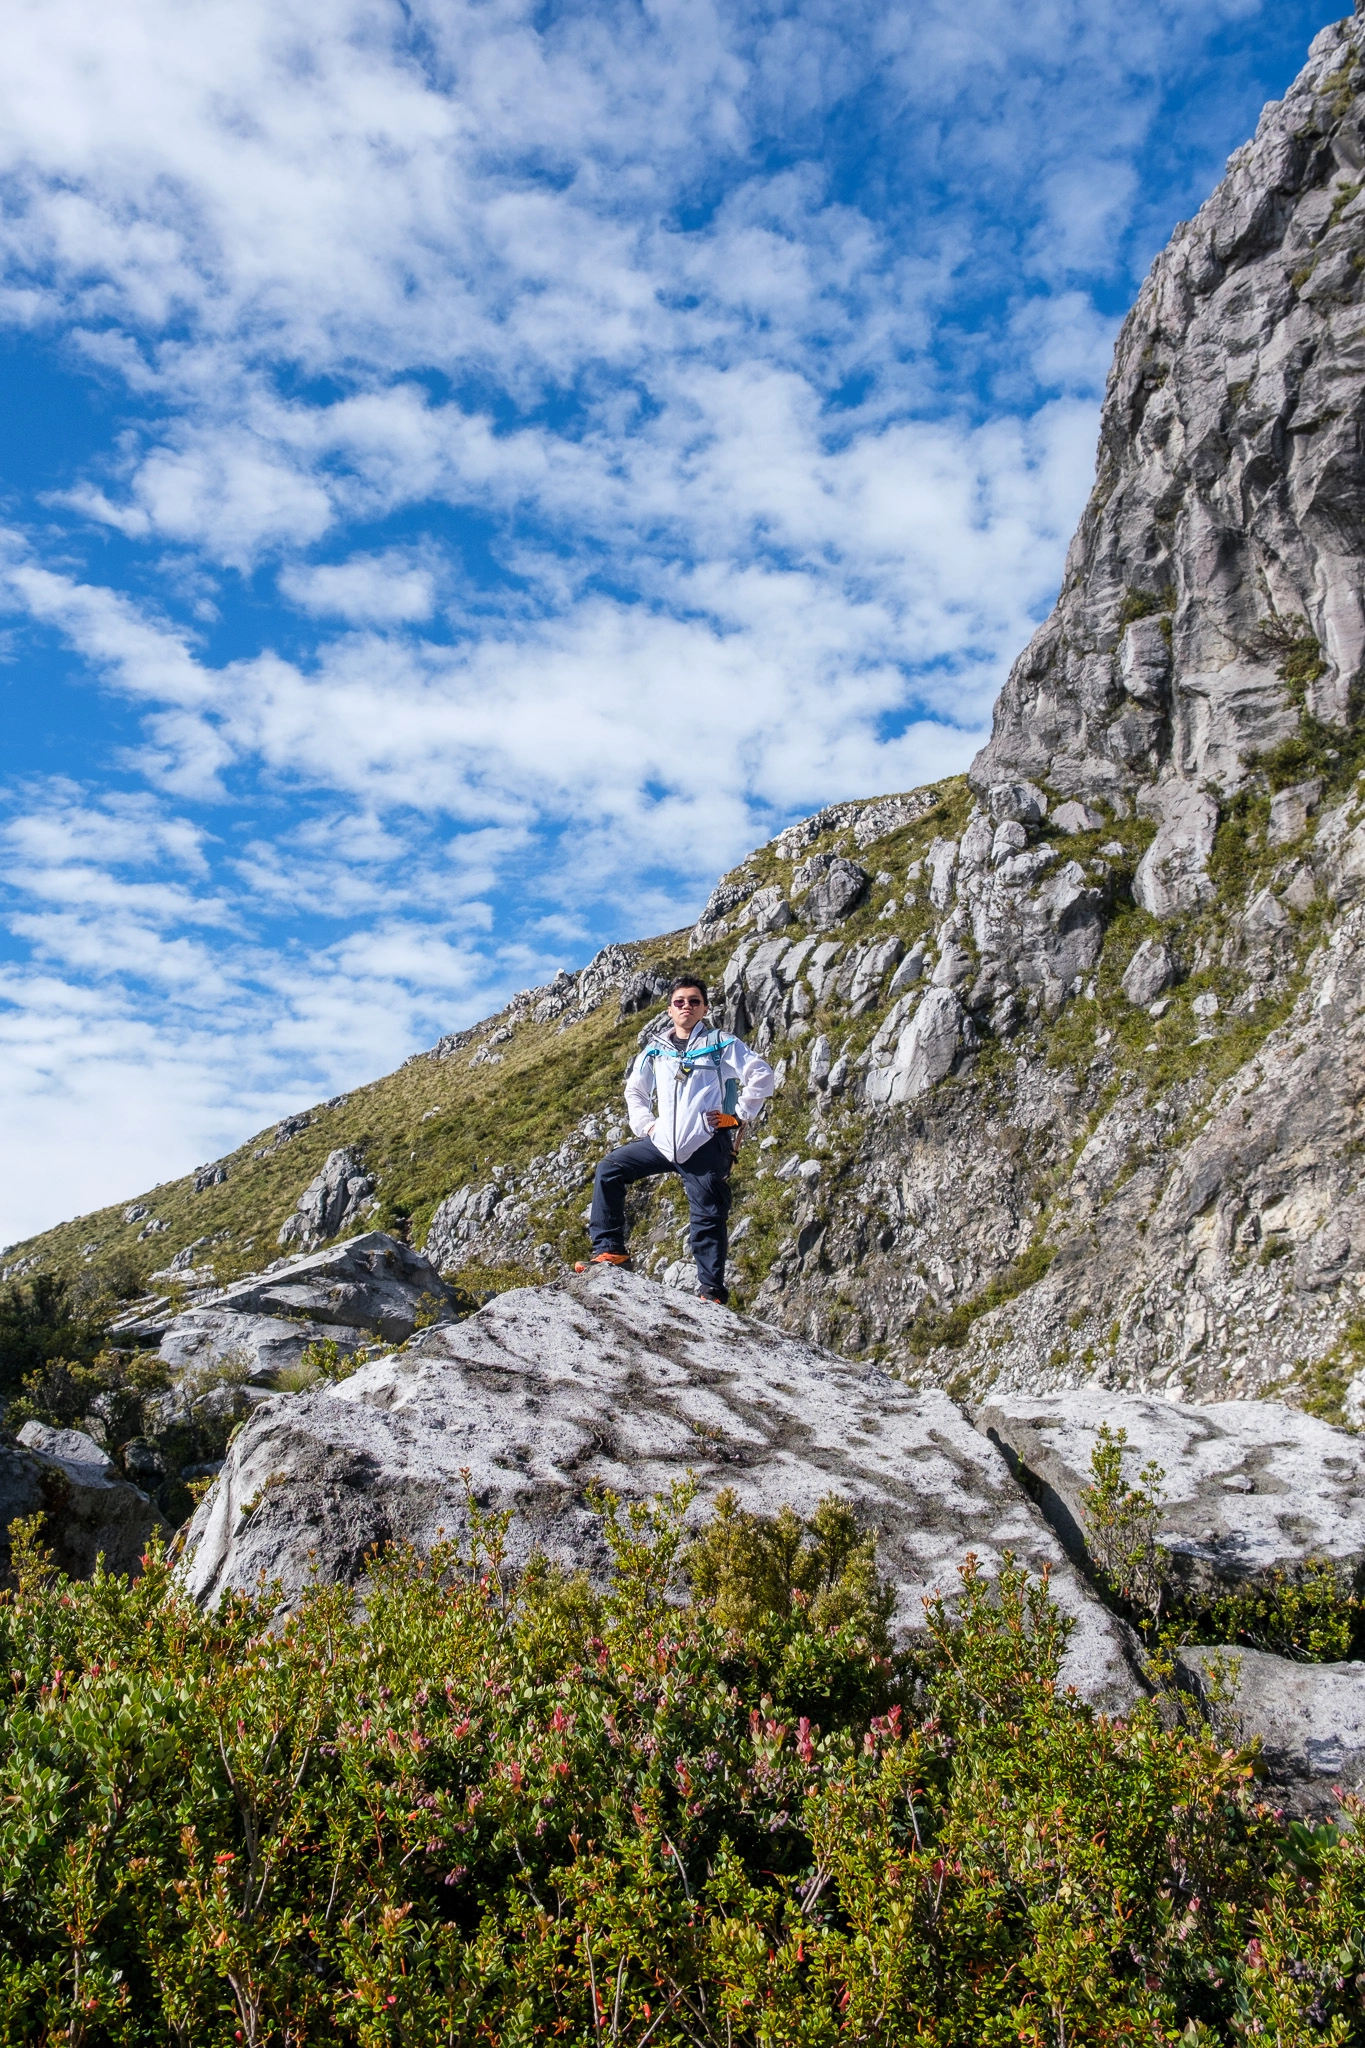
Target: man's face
<point x="685" y="1008"/>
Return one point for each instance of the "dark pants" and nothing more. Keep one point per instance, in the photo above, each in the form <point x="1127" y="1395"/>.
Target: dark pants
<point x="706" y="1180"/>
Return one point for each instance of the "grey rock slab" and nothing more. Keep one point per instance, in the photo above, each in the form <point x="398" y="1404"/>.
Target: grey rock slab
<point x="923" y="1054"/>
<point x="1308" y="1719"/>
<point x="1073" y="816"/>
<point x="1251" y="1488"/>
<point x="1172" y="878"/>
<point x="204" y="1339"/>
<point x="76" y="1452"/>
<point x="609" y="1378"/>
<point x="373" y="1283"/>
<point x="89" y="1510"/>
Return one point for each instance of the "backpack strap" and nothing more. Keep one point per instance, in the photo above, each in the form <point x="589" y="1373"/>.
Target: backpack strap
<point x="713" y="1053"/>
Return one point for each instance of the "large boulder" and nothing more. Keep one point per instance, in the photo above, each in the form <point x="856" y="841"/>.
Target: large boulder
<point x="832" y="894"/>
<point x="367" y="1287"/>
<point x="89" y="1509"/>
<point x="609" y="1378"/>
<point x="221" y="1339"/>
<point x="1251" y="1488"/>
<point x="1308" y="1720"/>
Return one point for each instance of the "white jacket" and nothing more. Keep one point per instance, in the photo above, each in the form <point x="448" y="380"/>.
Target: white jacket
<point x="688" y="1084"/>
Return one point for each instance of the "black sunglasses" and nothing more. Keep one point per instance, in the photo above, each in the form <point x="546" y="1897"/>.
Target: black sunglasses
<point x="687" y="1003"/>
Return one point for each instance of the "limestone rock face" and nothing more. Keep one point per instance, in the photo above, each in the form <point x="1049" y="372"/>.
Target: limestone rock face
<point x="333" y="1199"/>
<point x="1228" y="516"/>
<point x="608" y="1377"/>
<point x="214" y="1337"/>
<point x="1251" y="1488"/>
<point x="1309" y="1720"/>
<point x="830" y="895"/>
<point x="1173" y="874"/>
<point x="923" y="1053"/>
<point x="1250" y="1257"/>
<point x="89" y="1510"/>
<point x="371" y="1283"/>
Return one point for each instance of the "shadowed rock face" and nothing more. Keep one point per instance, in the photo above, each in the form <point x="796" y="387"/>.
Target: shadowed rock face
<point x="610" y="1378"/>
<point x="88" y="1509"/>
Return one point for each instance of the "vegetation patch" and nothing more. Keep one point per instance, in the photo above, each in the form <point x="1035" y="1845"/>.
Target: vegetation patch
<point x="469" y="1810"/>
<point x="1321" y="1387"/>
<point x="1144" y="604"/>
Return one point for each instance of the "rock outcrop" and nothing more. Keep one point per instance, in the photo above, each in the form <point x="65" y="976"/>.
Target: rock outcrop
<point x="612" y="1380"/>
<point x="1308" y="1721"/>
<point x="334" y="1199"/>
<point x="608" y="1380"/>
<point x="1071" y="1062"/>
<point x="1226" y="531"/>
<point x="368" y="1289"/>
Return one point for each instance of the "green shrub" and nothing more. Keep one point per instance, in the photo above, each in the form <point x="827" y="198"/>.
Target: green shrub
<point x="321" y="1360"/>
<point x="1121" y="1521"/>
<point x="476" y="1810"/>
<point x="748" y="1570"/>
<point x="1301" y="659"/>
<point x="1144" y="604"/>
<point x="45" y="1319"/>
<point x="106" y="1396"/>
<point x="474" y="1286"/>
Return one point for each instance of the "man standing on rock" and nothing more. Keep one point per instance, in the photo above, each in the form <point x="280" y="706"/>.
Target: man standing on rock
<point x="688" y="1097"/>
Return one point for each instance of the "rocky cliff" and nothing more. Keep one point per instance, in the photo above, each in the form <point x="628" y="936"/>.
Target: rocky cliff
<point x="1070" y="1050"/>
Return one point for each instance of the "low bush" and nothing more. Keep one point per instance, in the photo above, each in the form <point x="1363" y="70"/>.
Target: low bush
<point x="470" y="1810"/>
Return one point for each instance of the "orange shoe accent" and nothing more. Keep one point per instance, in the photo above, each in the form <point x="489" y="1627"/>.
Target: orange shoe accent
<point x="603" y="1259"/>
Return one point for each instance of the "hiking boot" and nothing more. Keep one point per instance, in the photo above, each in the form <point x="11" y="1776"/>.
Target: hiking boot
<point x="604" y="1259"/>
<point x="719" y="1299"/>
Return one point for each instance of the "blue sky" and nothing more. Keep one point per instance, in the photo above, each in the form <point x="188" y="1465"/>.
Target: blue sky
<point x="470" y="470"/>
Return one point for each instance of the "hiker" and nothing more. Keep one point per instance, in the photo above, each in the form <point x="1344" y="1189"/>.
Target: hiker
<point x="707" y="1087"/>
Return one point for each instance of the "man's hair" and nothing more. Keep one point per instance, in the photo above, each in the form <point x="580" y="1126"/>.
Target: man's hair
<point x="688" y="981"/>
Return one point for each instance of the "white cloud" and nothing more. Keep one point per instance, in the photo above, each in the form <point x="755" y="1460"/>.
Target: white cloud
<point x="387" y="589"/>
